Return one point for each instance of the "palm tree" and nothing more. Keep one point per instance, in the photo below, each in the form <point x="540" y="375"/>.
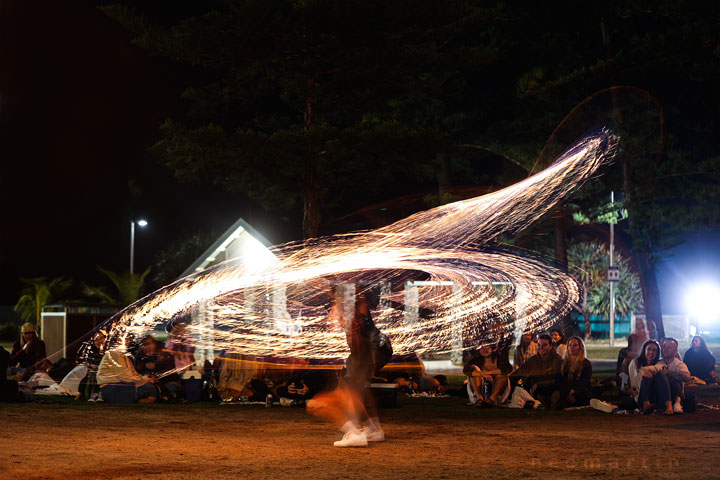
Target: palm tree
<point x="38" y="292"/>
<point x="586" y="265"/>
<point x="128" y="287"/>
<point x="628" y="293"/>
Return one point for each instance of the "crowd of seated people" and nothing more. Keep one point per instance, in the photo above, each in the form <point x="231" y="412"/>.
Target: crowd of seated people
<point x="653" y="375"/>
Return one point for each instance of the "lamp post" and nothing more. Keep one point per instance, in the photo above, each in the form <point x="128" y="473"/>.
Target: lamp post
<point x="613" y="271"/>
<point x="140" y="223"/>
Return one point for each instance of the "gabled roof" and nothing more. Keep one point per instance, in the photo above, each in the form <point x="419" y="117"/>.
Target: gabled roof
<point x="240" y="240"/>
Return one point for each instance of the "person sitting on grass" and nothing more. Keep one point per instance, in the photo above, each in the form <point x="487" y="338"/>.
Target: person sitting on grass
<point x="8" y="388"/>
<point x="525" y="349"/>
<point x="152" y="361"/>
<point x="27" y="352"/>
<point x="490" y="364"/>
<point x="575" y="388"/>
<point x="541" y="374"/>
<point x="302" y="387"/>
<point x="625" y="356"/>
<point x="648" y="382"/>
<point x="238" y="375"/>
<point x="559" y="341"/>
<point x="423" y="384"/>
<point x="91" y="358"/>
<point x="700" y="361"/>
<point x="119" y="381"/>
<point x="676" y="371"/>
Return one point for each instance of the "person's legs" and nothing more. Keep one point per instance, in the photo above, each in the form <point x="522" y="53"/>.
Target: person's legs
<point x="655" y="390"/>
<point x="147" y="393"/>
<point x="499" y="385"/>
<point x="548" y="396"/>
<point x="119" y="393"/>
<point x="676" y="388"/>
<point x="676" y="392"/>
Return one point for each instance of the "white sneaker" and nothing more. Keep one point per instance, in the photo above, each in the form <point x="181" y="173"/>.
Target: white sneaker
<point x="600" y="405"/>
<point x="373" y="435"/>
<point x="677" y="408"/>
<point x="351" y="439"/>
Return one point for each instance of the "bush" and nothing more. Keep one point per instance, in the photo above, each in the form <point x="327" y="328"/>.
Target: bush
<point x="9" y="332"/>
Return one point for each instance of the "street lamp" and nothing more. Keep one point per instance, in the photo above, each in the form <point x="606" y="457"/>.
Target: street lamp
<point x="140" y="223"/>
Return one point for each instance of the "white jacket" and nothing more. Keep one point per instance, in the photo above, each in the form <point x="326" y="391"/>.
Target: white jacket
<point x="115" y="367"/>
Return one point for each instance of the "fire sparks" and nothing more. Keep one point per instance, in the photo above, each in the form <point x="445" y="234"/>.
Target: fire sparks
<point x="439" y="279"/>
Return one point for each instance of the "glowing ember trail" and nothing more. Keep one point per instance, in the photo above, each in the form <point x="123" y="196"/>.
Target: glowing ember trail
<point x="438" y="277"/>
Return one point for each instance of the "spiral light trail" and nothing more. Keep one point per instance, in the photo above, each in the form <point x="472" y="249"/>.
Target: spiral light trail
<point x="439" y="279"/>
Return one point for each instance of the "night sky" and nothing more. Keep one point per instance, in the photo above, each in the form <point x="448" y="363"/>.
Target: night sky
<point x="79" y="106"/>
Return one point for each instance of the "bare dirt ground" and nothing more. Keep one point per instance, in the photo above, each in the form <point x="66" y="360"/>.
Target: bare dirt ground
<point x="426" y="438"/>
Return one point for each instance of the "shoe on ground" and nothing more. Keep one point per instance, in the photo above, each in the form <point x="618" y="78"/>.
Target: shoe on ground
<point x="601" y="406"/>
<point x="352" y="439"/>
<point x="373" y="435"/>
<point x="677" y="408"/>
<point x="287" y="402"/>
<point x="99" y="399"/>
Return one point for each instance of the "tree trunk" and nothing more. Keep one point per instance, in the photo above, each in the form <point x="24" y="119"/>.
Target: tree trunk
<point x="646" y="267"/>
<point x="651" y="296"/>
<point x="311" y="190"/>
<point x="561" y="254"/>
<point x="311" y="202"/>
<point x="586" y="314"/>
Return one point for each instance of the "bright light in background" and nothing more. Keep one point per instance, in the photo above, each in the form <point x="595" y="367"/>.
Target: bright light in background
<point x="142" y="223"/>
<point x="703" y="301"/>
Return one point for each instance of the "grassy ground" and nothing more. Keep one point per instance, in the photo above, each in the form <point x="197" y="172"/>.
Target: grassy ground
<point x="425" y="438"/>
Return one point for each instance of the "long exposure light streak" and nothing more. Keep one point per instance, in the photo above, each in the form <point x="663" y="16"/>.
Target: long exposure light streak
<point x="467" y="289"/>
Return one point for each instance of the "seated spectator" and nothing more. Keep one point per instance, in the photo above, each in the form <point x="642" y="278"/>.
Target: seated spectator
<point x="182" y="347"/>
<point x="676" y="371"/>
<point x="118" y="380"/>
<point x="648" y="383"/>
<point x="8" y="388"/>
<point x="525" y="349"/>
<point x="575" y="387"/>
<point x="152" y="361"/>
<point x="91" y="358"/>
<point x="559" y="342"/>
<point x="27" y="352"/>
<point x="625" y="356"/>
<point x="700" y="361"/>
<point x="491" y="366"/>
<point x="423" y="383"/>
<point x="302" y="387"/>
<point x="239" y="379"/>
<point x="541" y="373"/>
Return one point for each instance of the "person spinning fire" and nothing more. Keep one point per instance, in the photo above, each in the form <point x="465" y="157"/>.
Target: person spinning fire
<point x="351" y="403"/>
